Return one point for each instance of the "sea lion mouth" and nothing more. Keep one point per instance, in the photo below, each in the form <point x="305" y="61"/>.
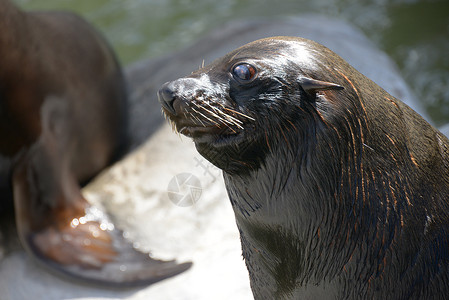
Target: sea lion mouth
<point x="197" y="131"/>
<point x="208" y="133"/>
<point x="206" y="125"/>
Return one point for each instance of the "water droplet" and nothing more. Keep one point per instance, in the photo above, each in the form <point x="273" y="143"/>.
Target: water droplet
<point x="75" y="222"/>
<point x="123" y="268"/>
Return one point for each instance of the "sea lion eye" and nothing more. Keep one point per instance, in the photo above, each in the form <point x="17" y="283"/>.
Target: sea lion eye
<point x="244" y="72"/>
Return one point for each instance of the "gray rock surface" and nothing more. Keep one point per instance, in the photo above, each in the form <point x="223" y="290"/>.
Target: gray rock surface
<point x="135" y="190"/>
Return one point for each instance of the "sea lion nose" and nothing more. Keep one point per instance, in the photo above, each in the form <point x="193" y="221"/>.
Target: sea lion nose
<point x="166" y="96"/>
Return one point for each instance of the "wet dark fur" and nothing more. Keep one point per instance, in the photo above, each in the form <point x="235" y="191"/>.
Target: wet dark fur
<point x="338" y="194"/>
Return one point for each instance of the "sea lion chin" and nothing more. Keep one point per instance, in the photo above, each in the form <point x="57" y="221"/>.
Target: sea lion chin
<point x="338" y="188"/>
<point x="63" y="120"/>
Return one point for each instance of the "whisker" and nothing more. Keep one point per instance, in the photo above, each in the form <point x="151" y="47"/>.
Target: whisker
<point x="223" y="117"/>
<point x="198" y="119"/>
<point x="174" y="128"/>
<point x="210" y="120"/>
<point x="229" y="118"/>
<point x="239" y="113"/>
<point x="212" y="113"/>
<point x="220" y="119"/>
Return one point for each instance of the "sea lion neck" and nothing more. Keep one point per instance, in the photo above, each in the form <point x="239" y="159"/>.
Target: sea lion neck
<point x="258" y="199"/>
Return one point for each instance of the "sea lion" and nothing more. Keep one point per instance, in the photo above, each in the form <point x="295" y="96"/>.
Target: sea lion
<point x="339" y="189"/>
<point x="62" y="120"/>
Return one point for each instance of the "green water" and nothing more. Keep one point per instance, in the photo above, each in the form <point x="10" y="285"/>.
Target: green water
<point x="414" y="33"/>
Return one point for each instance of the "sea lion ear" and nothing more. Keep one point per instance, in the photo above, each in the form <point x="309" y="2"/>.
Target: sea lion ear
<point x="312" y="86"/>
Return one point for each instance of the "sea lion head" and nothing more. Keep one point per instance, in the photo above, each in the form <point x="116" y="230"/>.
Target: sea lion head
<point x="245" y="104"/>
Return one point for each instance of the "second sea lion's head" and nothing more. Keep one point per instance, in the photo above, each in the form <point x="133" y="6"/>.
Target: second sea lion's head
<point x="265" y="95"/>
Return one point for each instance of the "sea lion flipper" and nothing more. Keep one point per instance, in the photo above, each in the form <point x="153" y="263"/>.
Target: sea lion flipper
<point x="106" y="259"/>
<point x="71" y="237"/>
<point x="128" y="267"/>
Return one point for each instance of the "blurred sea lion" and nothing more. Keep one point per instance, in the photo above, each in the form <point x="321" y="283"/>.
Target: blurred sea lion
<point x="63" y="118"/>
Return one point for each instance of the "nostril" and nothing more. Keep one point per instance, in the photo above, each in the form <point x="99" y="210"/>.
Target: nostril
<point x="166" y="96"/>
